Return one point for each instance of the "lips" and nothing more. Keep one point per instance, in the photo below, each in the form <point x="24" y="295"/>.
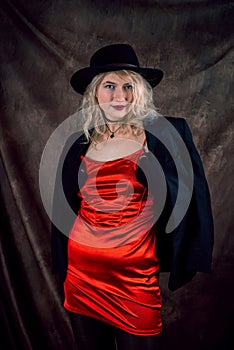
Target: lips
<point x="119" y="107"/>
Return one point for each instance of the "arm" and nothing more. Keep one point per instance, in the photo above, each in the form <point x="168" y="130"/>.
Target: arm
<point x="65" y="202"/>
<point x="193" y="239"/>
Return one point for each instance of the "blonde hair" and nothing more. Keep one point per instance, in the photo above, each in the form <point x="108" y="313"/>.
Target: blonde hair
<point x="142" y="106"/>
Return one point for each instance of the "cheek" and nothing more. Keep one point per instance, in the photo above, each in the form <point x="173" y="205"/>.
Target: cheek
<point x="103" y="96"/>
<point x="130" y="96"/>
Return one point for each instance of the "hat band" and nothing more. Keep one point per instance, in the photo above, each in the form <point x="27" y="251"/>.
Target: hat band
<point x="120" y="65"/>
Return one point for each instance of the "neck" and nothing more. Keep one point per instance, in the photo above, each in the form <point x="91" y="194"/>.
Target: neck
<point x="108" y="120"/>
<point x="112" y="125"/>
<point x="113" y="129"/>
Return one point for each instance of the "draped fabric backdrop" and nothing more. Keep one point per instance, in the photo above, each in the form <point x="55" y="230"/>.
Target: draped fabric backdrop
<point x="42" y="44"/>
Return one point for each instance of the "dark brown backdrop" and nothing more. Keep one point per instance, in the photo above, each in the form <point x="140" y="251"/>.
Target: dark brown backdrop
<point x="42" y="43"/>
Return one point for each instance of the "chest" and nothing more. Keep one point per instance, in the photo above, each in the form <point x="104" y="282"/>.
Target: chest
<point x="115" y="148"/>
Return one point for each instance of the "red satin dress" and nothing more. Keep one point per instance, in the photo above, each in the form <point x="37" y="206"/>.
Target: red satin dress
<point x="113" y="270"/>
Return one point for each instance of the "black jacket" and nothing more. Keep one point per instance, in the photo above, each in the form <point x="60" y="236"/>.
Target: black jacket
<point x="184" y="251"/>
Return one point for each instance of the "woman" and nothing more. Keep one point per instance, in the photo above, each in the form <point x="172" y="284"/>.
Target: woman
<point x="116" y="246"/>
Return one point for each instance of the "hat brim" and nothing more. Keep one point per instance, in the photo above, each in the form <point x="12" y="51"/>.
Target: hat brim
<point x="83" y="77"/>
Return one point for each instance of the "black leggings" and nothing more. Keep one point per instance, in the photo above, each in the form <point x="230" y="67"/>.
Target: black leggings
<point x="91" y="334"/>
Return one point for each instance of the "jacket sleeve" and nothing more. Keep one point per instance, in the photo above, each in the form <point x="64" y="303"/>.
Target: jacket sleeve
<point x="65" y="203"/>
<point x="194" y="237"/>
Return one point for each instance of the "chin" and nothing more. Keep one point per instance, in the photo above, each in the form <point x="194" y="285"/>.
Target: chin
<point x="116" y="116"/>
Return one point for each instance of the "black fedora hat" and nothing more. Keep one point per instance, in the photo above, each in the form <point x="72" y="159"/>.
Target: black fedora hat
<point x="112" y="58"/>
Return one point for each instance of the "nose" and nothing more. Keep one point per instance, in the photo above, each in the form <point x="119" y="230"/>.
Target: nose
<point x="120" y="94"/>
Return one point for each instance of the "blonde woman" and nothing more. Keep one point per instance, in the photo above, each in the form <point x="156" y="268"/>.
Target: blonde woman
<point x="117" y="246"/>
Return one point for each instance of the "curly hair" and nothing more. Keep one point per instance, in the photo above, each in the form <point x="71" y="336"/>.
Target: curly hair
<point x="142" y="106"/>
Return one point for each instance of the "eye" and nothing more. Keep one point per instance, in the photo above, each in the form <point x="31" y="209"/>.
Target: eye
<point x="128" y="87"/>
<point x="109" y="86"/>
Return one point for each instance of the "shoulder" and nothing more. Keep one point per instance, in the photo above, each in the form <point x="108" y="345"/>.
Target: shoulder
<point x="179" y="123"/>
<point x="166" y="123"/>
<point x="75" y="145"/>
<point x="176" y="121"/>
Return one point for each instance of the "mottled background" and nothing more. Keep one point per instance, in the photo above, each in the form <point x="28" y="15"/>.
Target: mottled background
<point x="42" y="43"/>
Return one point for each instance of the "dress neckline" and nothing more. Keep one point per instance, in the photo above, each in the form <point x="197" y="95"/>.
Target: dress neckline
<point x="113" y="160"/>
<point x="119" y="158"/>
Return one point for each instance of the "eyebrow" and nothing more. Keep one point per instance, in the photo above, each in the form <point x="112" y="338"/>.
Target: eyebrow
<point x="111" y="82"/>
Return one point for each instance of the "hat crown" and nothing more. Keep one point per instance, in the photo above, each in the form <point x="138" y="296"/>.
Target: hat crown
<point x="114" y="54"/>
<point x="113" y="58"/>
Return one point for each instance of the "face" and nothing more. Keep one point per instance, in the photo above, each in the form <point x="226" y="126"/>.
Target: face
<point x="114" y="95"/>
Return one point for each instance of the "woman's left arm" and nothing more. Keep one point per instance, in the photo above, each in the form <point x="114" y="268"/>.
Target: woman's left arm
<point x="194" y="237"/>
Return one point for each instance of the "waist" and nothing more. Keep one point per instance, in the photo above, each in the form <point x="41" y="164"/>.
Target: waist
<point x="112" y="229"/>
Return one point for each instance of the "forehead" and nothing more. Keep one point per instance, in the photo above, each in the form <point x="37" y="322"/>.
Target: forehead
<point x="115" y="78"/>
